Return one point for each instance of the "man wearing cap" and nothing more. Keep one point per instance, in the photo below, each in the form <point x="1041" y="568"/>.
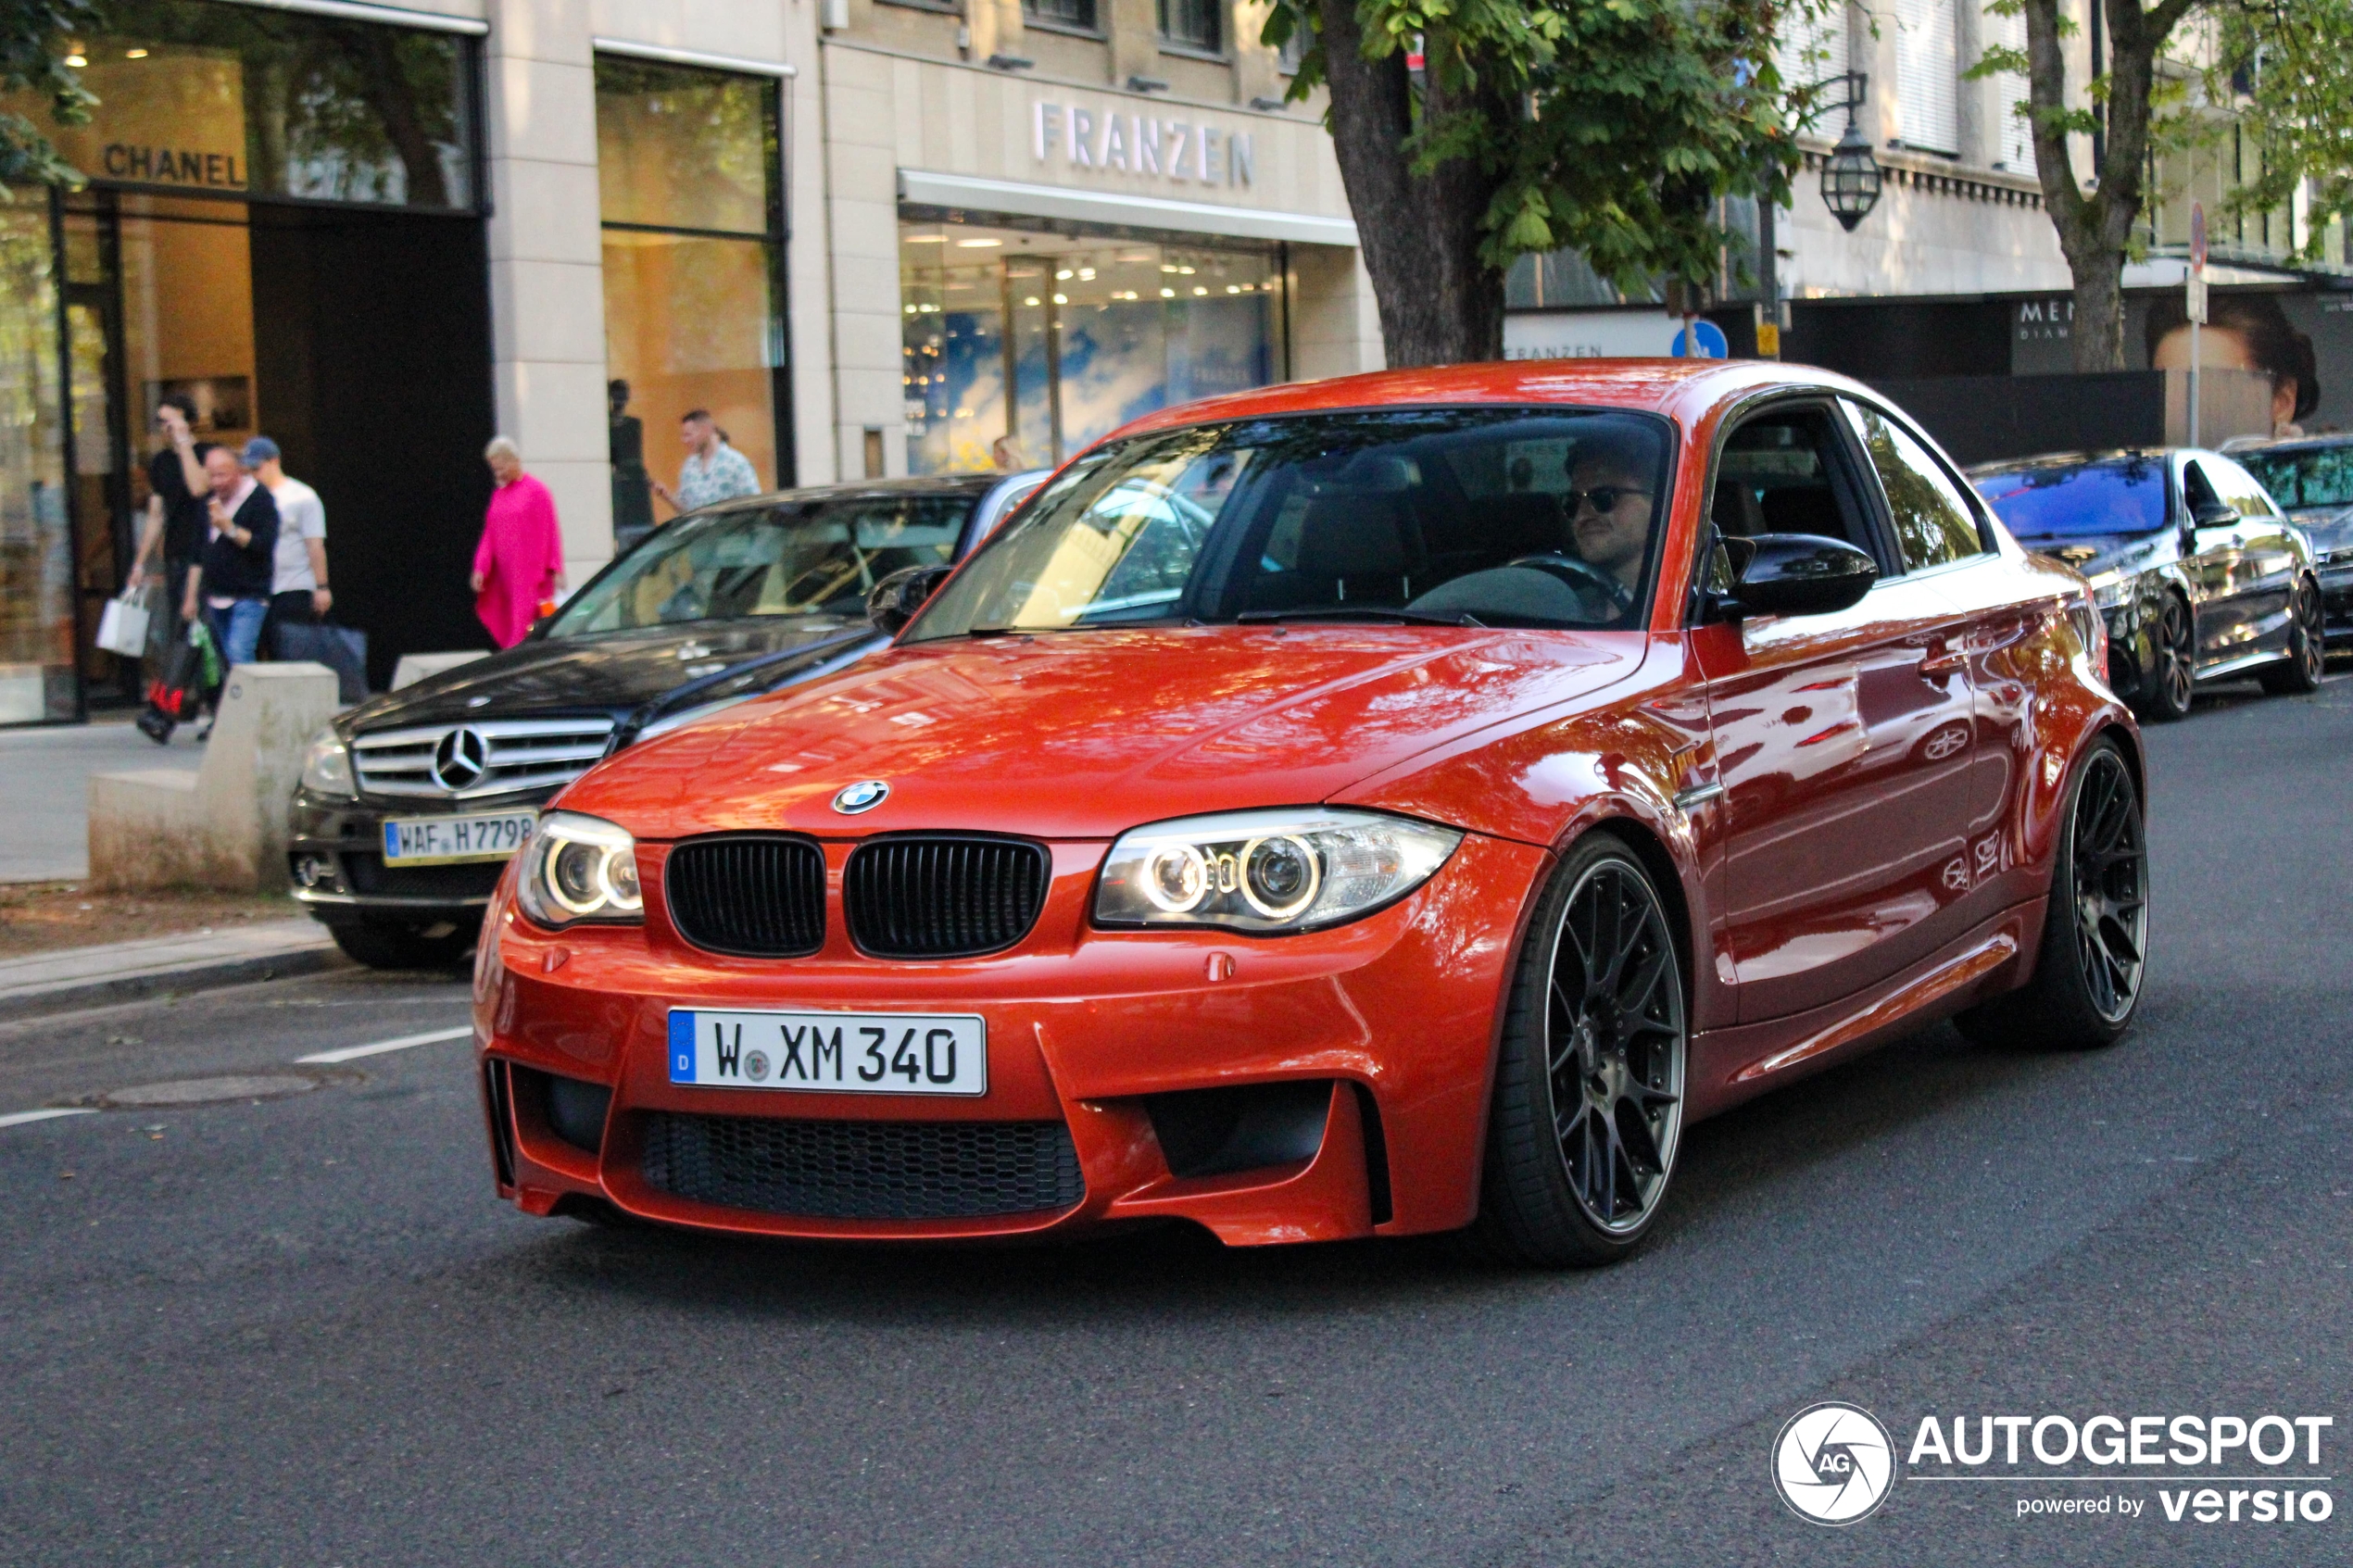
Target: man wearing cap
<point x="298" y="593"/>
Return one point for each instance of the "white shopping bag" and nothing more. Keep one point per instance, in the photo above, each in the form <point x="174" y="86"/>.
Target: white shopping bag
<point x="122" y="629"/>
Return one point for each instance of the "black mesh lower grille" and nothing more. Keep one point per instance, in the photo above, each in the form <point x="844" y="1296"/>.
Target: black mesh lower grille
<point x="864" y="1169"/>
<point x="367" y="874"/>
<point x="759" y="895"/>
<point x="942" y="898"/>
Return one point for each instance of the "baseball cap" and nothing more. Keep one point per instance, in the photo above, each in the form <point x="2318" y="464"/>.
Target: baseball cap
<point x="259" y="450"/>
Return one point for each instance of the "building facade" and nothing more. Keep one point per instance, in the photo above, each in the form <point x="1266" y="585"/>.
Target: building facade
<point x="867" y="237"/>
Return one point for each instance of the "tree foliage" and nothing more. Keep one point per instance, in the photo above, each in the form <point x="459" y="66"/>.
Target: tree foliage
<point x="2289" y="66"/>
<point x="1609" y="126"/>
<point x="34" y="35"/>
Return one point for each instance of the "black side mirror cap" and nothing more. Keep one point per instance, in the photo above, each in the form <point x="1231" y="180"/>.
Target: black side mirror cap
<point x="1797" y="574"/>
<point x="894" y="601"/>
<point x="2215" y="514"/>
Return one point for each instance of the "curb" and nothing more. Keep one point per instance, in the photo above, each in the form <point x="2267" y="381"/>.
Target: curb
<point x="74" y="996"/>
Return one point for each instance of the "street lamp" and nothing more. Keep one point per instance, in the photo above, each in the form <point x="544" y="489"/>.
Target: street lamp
<point x="1851" y="176"/>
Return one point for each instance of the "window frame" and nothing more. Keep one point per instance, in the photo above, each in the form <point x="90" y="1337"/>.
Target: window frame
<point x="1093" y="29"/>
<point x="1220" y="51"/>
<point x="1850" y="477"/>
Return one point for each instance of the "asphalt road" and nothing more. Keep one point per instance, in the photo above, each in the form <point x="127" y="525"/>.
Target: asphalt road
<point x="301" y="1331"/>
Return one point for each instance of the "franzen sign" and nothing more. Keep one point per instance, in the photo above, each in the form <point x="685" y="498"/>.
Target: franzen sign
<point x="1185" y="151"/>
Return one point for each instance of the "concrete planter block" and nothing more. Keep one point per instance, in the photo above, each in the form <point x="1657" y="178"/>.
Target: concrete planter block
<point x="222" y="824"/>
<point x="415" y="667"/>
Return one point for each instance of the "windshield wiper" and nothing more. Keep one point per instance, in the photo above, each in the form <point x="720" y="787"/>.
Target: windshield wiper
<point x="1350" y="612"/>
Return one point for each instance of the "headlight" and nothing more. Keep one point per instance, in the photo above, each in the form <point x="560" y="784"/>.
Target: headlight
<point x="577" y="869"/>
<point x="1293" y="870"/>
<point x="326" y="768"/>
<point x="2109" y="590"/>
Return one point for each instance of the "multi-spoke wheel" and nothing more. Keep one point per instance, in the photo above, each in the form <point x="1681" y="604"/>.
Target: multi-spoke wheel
<point x="2308" y="658"/>
<point x="2172" y="675"/>
<point x="2095" y="954"/>
<point x="1589" y="1088"/>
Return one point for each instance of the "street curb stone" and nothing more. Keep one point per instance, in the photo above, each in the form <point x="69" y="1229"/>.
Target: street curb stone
<point x="130" y="972"/>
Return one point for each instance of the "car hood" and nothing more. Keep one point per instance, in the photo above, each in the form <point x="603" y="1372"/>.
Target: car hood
<point x="2329" y="528"/>
<point x="2097" y="553"/>
<point x="615" y="673"/>
<point x="1080" y="736"/>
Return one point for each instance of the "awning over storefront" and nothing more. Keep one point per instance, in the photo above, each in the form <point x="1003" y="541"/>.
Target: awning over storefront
<point x="1015" y="198"/>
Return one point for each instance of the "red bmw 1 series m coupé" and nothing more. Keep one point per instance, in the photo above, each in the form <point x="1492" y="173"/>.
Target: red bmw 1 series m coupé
<point x="1388" y="805"/>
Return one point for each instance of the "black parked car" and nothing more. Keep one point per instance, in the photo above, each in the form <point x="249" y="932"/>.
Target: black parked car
<point x="410" y="803"/>
<point x="2200" y="575"/>
<point x="2312" y="477"/>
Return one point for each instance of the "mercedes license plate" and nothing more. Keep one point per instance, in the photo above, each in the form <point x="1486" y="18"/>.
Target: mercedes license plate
<point x="420" y="841"/>
<point x="841" y="1053"/>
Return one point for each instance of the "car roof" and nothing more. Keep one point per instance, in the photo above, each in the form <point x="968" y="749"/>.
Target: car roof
<point x="2294" y="444"/>
<point x="1683" y="389"/>
<point x="965" y="484"/>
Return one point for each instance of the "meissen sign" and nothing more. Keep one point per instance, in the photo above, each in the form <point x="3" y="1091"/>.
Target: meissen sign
<point x="1182" y="150"/>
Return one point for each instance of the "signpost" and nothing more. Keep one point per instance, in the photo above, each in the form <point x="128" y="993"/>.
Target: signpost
<point x="2194" y="303"/>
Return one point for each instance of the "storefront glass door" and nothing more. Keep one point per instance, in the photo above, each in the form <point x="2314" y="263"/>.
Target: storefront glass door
<point x="1101" y="330"/>
<point x="37" y="632"/>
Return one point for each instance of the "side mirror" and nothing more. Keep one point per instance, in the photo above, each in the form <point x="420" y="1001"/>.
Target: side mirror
<point x="1797" y="574"/>
<point x="894" y="601"/>
<point x="2215" y="514"/>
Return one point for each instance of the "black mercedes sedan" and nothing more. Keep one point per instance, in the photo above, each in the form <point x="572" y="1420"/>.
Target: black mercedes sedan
<point x="410" y="803"/>
<point x="2200" y="574"/>
<point x="2312" y="477"/>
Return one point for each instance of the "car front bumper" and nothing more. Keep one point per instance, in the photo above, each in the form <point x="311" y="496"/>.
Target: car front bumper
<point x="335" y="859"/>
<point x="1384" y="1027"/>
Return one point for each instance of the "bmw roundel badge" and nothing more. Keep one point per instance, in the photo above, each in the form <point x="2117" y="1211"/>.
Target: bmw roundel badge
<point x="863" y="796"/>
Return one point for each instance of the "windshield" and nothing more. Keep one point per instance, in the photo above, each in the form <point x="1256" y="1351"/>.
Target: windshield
<point x="796" y="558"/>
<point x="2314" y="476"/>
<point x="1461" y="516"/>
<point x="2120" y="495"/>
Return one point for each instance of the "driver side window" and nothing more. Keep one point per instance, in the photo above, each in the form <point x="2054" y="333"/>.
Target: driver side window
<point x="1779" y="473"/>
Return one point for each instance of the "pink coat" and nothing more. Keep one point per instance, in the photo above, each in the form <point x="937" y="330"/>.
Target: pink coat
<point x="520" y="554"/>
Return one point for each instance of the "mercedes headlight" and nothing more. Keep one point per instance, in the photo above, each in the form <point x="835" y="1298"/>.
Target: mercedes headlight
<point x="578" y="868"/>
<point x="326" y="768"/>
<point x="1282" y="871"/>
<point x="2110" y="589"/>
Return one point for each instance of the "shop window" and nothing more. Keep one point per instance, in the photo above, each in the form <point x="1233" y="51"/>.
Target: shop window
<point x="238" y="100"/>
<point x="1020" y="348"/>
<point x="1061" y="15"/>
<point x="687" y="164"/>
<point x="1192" y="24"/>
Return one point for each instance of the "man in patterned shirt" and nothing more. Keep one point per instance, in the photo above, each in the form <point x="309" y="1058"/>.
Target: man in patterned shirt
<point x="712" y="471"/>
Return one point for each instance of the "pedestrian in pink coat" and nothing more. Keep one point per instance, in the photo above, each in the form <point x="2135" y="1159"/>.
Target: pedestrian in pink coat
<point x="519" y="566"/>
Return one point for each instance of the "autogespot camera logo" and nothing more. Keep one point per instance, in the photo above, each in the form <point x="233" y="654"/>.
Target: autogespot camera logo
<point x="1833" y="1464"/>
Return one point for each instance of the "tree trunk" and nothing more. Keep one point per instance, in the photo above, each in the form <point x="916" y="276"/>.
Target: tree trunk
<point x="1419" y="233"/>
<point x="2093" y="230"/>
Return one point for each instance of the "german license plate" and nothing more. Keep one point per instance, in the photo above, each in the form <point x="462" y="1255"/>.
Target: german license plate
<point x="417" y="841"/>
<point x="839" y="1053"/>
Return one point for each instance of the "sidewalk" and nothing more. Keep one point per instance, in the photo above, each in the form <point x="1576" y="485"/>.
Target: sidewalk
<point x="195" y="961"/>
<point x="44" y="777"/>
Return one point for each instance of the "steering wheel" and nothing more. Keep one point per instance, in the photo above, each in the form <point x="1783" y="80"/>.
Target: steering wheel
<point x="1579" y="575"/>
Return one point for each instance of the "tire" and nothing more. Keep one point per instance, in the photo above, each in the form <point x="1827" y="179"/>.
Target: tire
<point x="1595" y="1012"/>
<point x="2308" y="655"/>
<point x="2170" y="683"/>
<point x="2088" y="976"/>
<point x="402" y="946"/>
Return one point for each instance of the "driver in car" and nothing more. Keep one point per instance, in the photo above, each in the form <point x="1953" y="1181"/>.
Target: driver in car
<point x="1610" y="506"/>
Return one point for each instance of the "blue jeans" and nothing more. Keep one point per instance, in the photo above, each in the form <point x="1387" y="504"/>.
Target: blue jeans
<point x="236" y="631"/>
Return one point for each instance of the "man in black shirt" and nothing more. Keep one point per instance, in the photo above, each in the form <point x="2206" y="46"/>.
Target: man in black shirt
<point x="178" y="487"/>
<point x="232" y="579"/>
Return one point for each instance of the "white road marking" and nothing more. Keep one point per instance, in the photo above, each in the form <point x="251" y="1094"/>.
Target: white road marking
<point x="17" y="1118"/>
<point x="353" y="1053"/>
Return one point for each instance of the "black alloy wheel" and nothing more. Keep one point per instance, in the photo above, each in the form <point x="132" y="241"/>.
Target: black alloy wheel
<point x="2088" y="976"/>
<point x="2308" y="655"/>
<point x="2172" y="677"/>
<point x="1589" y="1089"/>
